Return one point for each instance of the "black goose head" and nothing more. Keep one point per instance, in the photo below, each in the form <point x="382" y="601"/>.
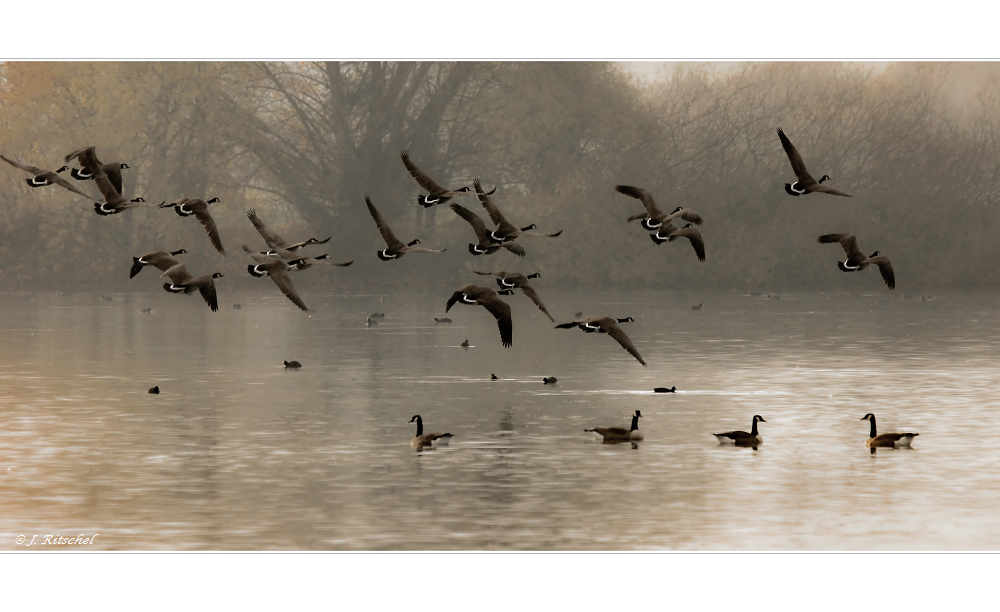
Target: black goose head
<point x="252" y="269"/>
<point x="757" y="417"/>
<point x="626" y="320"/>
<point x="465" y="189"/>
<point x="139" y="199"/>
<point x="63" y="169"/>
<point x="124" y="167"/>
<point x="535" y="275"/>
<point x="177" y="252"/>
<point x="322" y="257"/>
<point x="413" y="242"/>
<point x="678" y="209"/>
<point x="213" y="201"/>
<point x="868" y="417"/>
<point x="385" y="256"/>
<point x="875" y="254"/>
<point x="416" y="417"/>
<point x="217" y="275"/>
<point x="792" y="189"/>
<point x="530" y="227"/>
<point x="505" y="292"/>
<point x="825" y="177"/>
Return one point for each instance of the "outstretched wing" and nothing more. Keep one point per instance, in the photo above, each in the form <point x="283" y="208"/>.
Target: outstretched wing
<point x="177" y="274"/>
<point x="798" y="167"/>
<point x="514" y="248"/>
<point x="422" y="179"/>
<point x="616" y="332"/>
<point x="284" y="283"/>
<point x="692" y="234"/>
<point x="270" y="237"/>
<point x="501" y="311"/>
<point x="641" y="194"/>
<point x="33" y="170"/>
<point x="530" y="292"/>
<point x="847" y="241"/>
<point x="495" y="215"/>
<point x="832" y="191"/>
<point x="201" y="214"/>
<point x="207" y="291"/>
<point x="474" y="220"/>
<point x="886" y="269"/>
<point x="390" y="239"/>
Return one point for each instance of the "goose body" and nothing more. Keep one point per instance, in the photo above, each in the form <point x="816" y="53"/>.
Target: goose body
<point x="489" y="299"/>
<point x="654" y="218"/>
<point x="516" y="280"/>
<point x="272" y="238"/>
<point x="160" y="260"/>
<point x="889" y="440"/>
<point x="114" y="202"/>
<point x="428" y="439"/>
<point x="183" y="282"/>
<point x="278" y="271"/>
<point x="186" y="207"/>
<point x="438" y="194"/>
<point x="394" y="248"/>
<point x="742" y="438"/>
<point x="609" y="326"/>
<point x="298" y="261"/>
<point x="486" y="245"/>
<point x="856" y="260"/>
<point x="113" y="170"/>
<point x="505" y="230"/>
<point x="804" y="183"/>
<point x="620" y="434"/>
<point x="41" y="178"/>
<point x="670" y="232"/>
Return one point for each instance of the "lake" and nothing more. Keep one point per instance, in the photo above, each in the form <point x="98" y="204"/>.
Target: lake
<point x="238" y="453"/>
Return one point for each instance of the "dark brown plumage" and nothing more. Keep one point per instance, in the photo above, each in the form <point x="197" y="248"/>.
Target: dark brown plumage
<point x="505" y="230"/>
<point x="422" y="439"/>
<point x="805" y="183"/>
<point x="486" y="245"/>
<point x="609" y="326"/>
<point x="515" y="280"/>
<point x="742" y="438"/>
<point x="856" y="260"/>
<point x="114" y="202"/>
<point x="186" y="207"/>
<point x="670" y="232"/>
<point x="438" y="194"/>
<point x="160" y="260"/>
<point x="183" y="282"/>
<point x="278" y="271"/>
<point x="620" y="434"/>
<point x="273" y="240"/>
<point x="41" y="178"/>
<point x="394" y="246"/>
<point x="113" y="170"/>
<point x="489" y="299"/>
<point x="889" y="440"/>
<point x="653" y="218"/>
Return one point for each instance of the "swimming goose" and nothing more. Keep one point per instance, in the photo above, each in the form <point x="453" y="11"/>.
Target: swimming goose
<point x="609" y="326"/>
<point x="112" y="170"/>
<point x="278" y="271"/>
<point x="653" y="218"/>
<point x="273" y="240"/>
<point x="442" y="320"/>
<point x="183" y="282"/>
<point x="487" y="298"/>
<point x="493" y="377"/>
<point x="514" y="280"/>
<point x="186" y="207"/>
<point x="430" y="439"/>
<point x="293" y="365"/>
<point x="114" y="202"/>
<point x="619" y="434"/>
<point x="505" y="230"/>
<point x="41" y="178"/>
<point x="550" y="380"/>
<point x="742" y="438"/>
<point x="465" y="343"/>
<point x="160" y="260"/>
<point x="889" y="440"/>
<point x="856" y="260"/>
<point x="486" y="245"/>
<point x="670" y="232"/>
<point x="805" y="183"/>
<point x="438" y="194"/>
<point x="394" y="248"/>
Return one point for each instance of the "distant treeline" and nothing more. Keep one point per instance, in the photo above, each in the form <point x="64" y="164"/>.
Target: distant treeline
<point x="304" y="142"/>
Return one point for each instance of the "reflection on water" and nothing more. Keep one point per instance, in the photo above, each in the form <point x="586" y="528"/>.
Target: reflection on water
<point x="237" y="452"/>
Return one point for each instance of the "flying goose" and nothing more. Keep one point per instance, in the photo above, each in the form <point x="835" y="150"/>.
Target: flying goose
<point x="394" y="248"/>
<point x="742" y="438"/>
<point x="889" y="440"/>
<point x="514" y="280"/>
<point x="113" y="170"/>
<point x="619" y="434"/>
<point x="486" y="297"/>
<point x="486" y="245"/>
<point x="183" y="282"/>
<point x="430" y="439"/>
<point x="160" y="260"/>
<point x="273" y="240"/>
<point x="609" y="326"/>
<point x="278" y="271"/>
<point x="805" y="183"/>
<point x="670" y="232"/>
<point x="114" y="202"/>
<point x="856" y="260"/>
<point x="438" y="194"/>
<point x="505" y="230"/>
<point x="299" y="261"/>
<point x="41" y="178"/>
<point x="653" y="218"/>
<point x="186" y="207"/>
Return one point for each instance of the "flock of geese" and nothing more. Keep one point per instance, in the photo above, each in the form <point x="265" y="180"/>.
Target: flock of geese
<point x="283" y="257"/>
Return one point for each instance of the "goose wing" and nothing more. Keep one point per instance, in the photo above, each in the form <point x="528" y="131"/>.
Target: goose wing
<point x="611" y="327"/>
<point x="206" y="287"/>
<point x="114" y="174"/>
<point x="886" y="269"/>
<point x="641" y="194"/>
<point x="847" y="241"/>
<point x="692" y="234"/>
<point x="495" y="215"/>
<point x="831" y="191"/>
<point x="422" y="179"/>
<point x="160" y="260"/>
<point x="258" y="257"/>
<point x="270" y="237"/>
<point x="798" y="166"/>
<point x="88" y="159"/>
<point x="735" y="435"/>
<point x="688" y="215"/>
<point x="500" y="273"/>
<point x="530" y="292"/>
<point x="202" y="215"/>
<point x="33" y="170"/>
<point x="390" y="239"/>
<point x="610" y="431"/>
<point x="177" y="274"/>
<point x="514" y="248"/>
<point x="474" y="220"/>
<point x="473" y="291"/>
<point x="284" y="283"/>
<point x="58" y="180"/>
<point x="501" y="312"/>
<point x="295" y="245"/>
<point x="540" y="235"/>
